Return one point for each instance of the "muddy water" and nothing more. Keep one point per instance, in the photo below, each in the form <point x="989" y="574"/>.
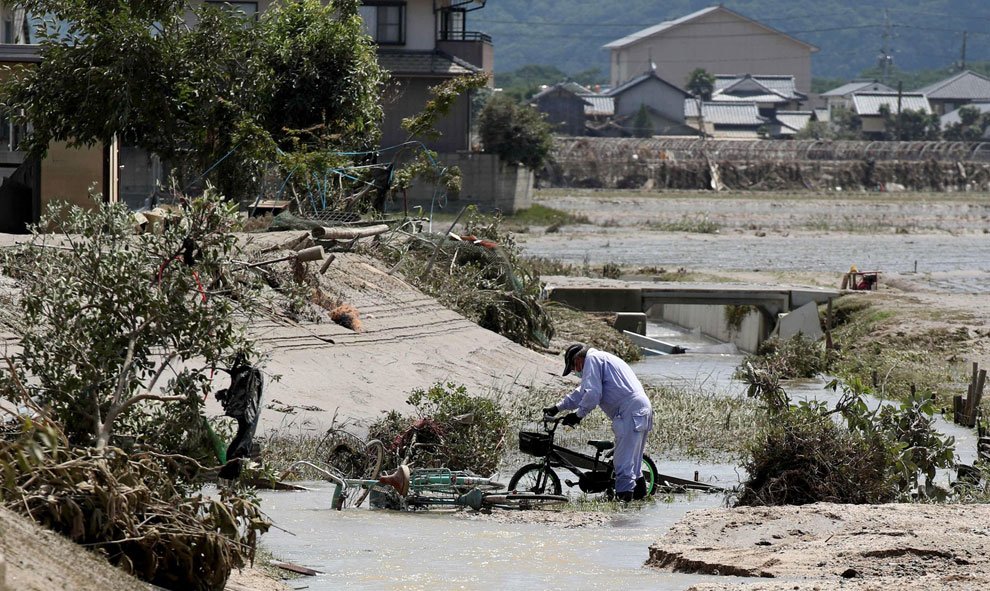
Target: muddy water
<point x="440" y="550"/>
<point x="365" y="549"/>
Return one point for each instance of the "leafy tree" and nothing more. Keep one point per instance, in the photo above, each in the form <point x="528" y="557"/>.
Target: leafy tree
<point x="119" y="331"/>
<point x="701" y="84"/>
<point x="972" y="124"/>
<point x="221" y="97"/>
<point x="518" y="134"/>
<point x="909" y="125"/>
<point x="642" y="126"/>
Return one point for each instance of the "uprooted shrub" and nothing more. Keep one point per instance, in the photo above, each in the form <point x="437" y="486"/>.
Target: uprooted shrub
<point x="850" y="453"/>
<point x="133" y="509"/>
<point x="803" y="457"/>
<point x="797" y="357"/>
<point x="480" y="275"/>
<point x="452" y="429"/>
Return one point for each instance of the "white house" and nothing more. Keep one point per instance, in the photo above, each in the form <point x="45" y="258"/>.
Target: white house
<point x="715" y="38"/>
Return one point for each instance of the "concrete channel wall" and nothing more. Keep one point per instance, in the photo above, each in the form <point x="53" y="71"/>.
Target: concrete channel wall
<point x="759" y="309"/>
<point x="711" y="321"/>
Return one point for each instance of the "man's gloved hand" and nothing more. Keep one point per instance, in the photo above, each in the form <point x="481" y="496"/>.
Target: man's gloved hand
<point x="571" y="420"/>
<point x="550" y="411"/>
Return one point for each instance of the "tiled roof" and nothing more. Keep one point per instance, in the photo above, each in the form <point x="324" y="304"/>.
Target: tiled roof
<point x="671" y="24"/>
<point x="424" y="63"/>
<point x="953" y="116"/>
<point x="721" y="113"/>
<point x="642" y="78"/>
<point x="750" y="98"/>
<point x="794" y="120"/>
<point x="783" y="84"/>
<point x="599" y="106"/>
<point x="964" y="85"/>
<point x="571" y="87"/>
<point x="868" y="103"/>
<point x="859" y="86"/>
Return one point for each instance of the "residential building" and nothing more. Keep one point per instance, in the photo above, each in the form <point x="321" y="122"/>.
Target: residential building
<point x="955" y="91"/>
<point x="770" y="93"/>
<point x="662" y="100"/>
<point x="842" y="96"/>
<point x="787" y="124"/>
<point x="564" y="106"/>
<point x="421" y="44"/>
<point x="65" y="174"/>
<point x="716" y="39"/>
<point x="868" y="104"/>
<point x="726" y="120"/>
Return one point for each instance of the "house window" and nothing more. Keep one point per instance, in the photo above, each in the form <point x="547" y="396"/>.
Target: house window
<point x="385" y="22"/>
<point x="452" y="25"/>
<point x="8" y="30"/>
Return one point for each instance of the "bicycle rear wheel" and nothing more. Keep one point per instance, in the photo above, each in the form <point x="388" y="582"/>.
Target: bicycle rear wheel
<point x="650" y="474"/>
<point x="523" y="501"/>
<point x="533" y="478"/>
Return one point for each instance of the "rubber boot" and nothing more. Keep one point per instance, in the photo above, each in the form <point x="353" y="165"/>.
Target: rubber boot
<point x="640" y="491"/>
<point x="625" y="496"/>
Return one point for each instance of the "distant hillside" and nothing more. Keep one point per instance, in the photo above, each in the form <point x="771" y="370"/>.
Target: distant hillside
<point x="569" y="34"/>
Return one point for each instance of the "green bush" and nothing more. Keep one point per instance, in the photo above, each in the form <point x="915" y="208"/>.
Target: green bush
<point x="460" y="431"/>
<point x="518" y="134"/>
<point x="797" y="357"/>
<point x="803" y="457"/>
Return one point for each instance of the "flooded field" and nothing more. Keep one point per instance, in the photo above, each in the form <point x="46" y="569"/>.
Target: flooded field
<point x="805" y="253"/>
<point x="438" y="550"/>
<point x="939" y="241"/>
<point x="893" y="233"/>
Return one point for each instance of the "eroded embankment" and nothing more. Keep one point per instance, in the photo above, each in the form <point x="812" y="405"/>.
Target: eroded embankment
<point x="896" y="546"/>
<point x="611" y="163"/>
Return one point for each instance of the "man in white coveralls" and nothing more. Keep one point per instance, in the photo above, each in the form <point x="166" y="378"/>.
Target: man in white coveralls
<point x="610" y="383"/>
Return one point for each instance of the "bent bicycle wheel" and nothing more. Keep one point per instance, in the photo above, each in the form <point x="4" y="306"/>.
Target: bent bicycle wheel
<point x="523" y="501"/>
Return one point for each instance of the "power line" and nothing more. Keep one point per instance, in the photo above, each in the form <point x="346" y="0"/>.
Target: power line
<point x="717" y="36"/>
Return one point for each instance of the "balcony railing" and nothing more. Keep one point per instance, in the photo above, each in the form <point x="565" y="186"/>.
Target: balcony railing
<point x="463" y="36"/>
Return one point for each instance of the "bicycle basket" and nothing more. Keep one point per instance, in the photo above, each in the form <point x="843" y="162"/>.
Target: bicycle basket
<point x="534" y="444"/>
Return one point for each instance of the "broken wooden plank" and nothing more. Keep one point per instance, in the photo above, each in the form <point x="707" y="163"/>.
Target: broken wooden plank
<point x="340" y="233"/>
<point x="302" y="570"/>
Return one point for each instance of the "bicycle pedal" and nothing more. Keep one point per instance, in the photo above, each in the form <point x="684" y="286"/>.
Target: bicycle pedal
<point x="570" y="483"/>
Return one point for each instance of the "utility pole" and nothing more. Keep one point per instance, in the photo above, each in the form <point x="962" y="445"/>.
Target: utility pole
<point x="900" y="96"/>
<point x="885" y="58"/>
<point x="962" y="57"/>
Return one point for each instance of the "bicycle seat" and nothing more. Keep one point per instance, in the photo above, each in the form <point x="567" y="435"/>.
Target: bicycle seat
<point x="601" y="445"/>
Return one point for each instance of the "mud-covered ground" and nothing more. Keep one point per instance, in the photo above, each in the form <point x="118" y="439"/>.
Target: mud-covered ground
<point x="932" y="249"/>
<point x="933" y="252"/>
<point x="912" y="547"/>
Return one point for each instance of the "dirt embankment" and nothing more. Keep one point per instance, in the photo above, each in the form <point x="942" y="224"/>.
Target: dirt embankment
<point x="825" y="546"/>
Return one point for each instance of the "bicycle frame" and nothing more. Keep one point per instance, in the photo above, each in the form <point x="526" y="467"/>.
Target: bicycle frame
<point x="575" y="462"/>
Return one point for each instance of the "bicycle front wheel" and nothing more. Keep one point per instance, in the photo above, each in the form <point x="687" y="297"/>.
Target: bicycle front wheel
<point x="535" y="478"/>
<point x="523" y="501"/>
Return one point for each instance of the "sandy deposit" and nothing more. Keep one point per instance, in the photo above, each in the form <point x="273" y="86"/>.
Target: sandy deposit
<point x="826" y="546"/>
